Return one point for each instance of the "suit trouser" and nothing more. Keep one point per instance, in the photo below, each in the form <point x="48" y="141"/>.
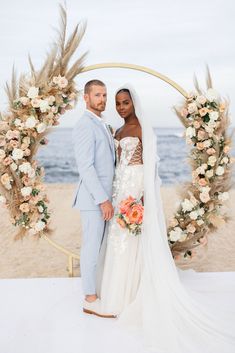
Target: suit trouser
<point x="93" y="227"/>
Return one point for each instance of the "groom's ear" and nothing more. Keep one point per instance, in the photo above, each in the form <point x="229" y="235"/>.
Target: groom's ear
<point x="85" y="97"/>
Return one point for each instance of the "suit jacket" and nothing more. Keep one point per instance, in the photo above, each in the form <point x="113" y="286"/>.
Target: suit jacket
<point x="95" y="158"/>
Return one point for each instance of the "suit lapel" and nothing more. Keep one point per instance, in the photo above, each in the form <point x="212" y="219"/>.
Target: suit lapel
<point x="102" y="127"/>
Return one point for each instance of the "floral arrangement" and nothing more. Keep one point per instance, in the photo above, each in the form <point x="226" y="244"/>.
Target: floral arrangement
<point x="130" y="215"/>
<point x="205" y="116"/>
<point x="36" y="104"/>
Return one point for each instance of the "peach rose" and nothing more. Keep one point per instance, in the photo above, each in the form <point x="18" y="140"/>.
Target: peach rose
<point x="184" y="112"/>
<point x="125" y="204"/>
<point x="14" y="143"/>
<point x="7" y="161"/>
<point x="226" y="149"/>
<point x="202" y="182"/>
<point x="200" y="146"/>
<point x="197" y="124"/>
<point x="121" y="222"/>
<point x="173" y="223"/>
<point x="203" y="111"/>
<point x="27" y="152"/>
<point x="135" y="214"/>
<point x="5" y="179"/>
<point x="24" y="207"/>
<point x="201" y="135"/>
<point x="222" y="107"/>
<point x="210" y="151"/>
<point x="191" y="228"/>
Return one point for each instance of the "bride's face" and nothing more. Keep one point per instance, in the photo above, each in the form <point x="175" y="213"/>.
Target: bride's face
<point x="124" y="105"/>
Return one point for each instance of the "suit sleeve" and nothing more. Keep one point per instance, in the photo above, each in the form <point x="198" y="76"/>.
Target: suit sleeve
<point x="84" y="146"/>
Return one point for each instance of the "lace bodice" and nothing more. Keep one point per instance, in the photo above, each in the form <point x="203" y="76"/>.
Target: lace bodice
<point x="129" y="151"/>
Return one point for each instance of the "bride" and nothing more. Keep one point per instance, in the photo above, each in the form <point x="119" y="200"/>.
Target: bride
<point x="178" y="311"/>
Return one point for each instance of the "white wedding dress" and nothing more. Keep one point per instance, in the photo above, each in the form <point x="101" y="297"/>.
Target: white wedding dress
<point x="176" y="311"/>
<point x="122" y="265"/>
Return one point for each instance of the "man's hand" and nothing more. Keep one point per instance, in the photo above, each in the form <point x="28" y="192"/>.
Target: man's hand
<point x="107" y="210"/>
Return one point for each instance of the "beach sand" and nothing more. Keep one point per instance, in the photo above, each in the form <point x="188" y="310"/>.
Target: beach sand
<point x="31" y="257"/>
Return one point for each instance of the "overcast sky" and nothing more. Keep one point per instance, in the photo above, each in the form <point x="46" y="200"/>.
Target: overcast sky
<point x="176" y="38"/>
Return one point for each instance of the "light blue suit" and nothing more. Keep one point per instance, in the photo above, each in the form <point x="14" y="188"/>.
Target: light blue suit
<point x="95" y="157"/>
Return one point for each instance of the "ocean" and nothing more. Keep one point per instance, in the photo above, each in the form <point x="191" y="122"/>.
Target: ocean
<point x="59" y="162"/>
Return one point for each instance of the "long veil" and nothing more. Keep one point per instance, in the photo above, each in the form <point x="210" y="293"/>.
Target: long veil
<point x="179" y="312"/>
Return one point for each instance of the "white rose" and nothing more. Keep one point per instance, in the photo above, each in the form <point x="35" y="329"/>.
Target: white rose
<point x="24" y="100"/>
<point x="209" y="173"/>
<point x="2" y="155"/>
<point x="31" y="173"/>
<point x="63" y="82"/>
<point x="33" y="92"/>
<point x="13" y="167"/>
<point x="205" y="189"/>
<point x="212" y="95"/>
<point x="211" y="124"/>
<point x="187" y="205"/>
<point x="211" y="161"/>
<point x="35" y="102"/>
<point x="207" y="143"/>
<point x="190" y="132"/>
<point x="209" y="129"/>
<point x="201" y="169"/>
<point x="41" y="128"/>
<point x="175" y="234"/>
<point x="204" y="197"/>
<point x="40" y="225"/>
<point x="40" y="209"/>
<point x="44" y="105"/>
<point x="214" y="115"/>
<point x="51" y="100"/>
<point x="192" y="107"/>
<point x="201" y="99"/>
<point x="183" y="237"/>
<point x="17" y="154"/>
<point x="223" y="196"/>
<point x="26" y="191"/>
<point x="25" y="167"/>
<point x="193" y="215"/>
<point x="225" y="160"/>
<point x="200" y="222"/>
<point x="2" y="199"/>
<point x="17" y="122"/>
<point x="30" y="122"/>
<point x="219" y="171"/>
<point x="201" y="211"/>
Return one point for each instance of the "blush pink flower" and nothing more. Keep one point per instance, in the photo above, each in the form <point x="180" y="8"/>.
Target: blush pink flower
<point x="203" y="111"/>
<point x="125" y="204"/>
<point x="7" y="161"/>
<point x="202" y="182"/>
<point x="210" y="151"/>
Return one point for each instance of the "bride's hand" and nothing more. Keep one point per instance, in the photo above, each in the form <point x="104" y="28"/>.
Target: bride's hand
<point x="107" y="210"/>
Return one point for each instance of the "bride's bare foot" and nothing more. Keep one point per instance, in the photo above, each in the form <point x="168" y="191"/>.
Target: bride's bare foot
<point x="91" y="298"/>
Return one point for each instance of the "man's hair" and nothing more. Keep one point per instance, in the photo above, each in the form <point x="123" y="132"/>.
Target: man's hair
<point x="91" y="83"/>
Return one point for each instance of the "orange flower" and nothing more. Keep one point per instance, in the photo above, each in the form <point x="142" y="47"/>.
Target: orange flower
<point x="125" y="204"/>
<point x="200" y="146"/>
<point x="135" y="214"/>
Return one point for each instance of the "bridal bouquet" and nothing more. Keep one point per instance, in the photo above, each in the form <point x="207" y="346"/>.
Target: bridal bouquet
<point x="130" y="215"/>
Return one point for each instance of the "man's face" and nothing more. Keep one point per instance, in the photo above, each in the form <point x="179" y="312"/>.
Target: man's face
<point x="96" y="99"/>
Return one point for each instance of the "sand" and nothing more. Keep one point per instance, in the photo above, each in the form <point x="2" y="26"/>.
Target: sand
<point x="29" y="257"/>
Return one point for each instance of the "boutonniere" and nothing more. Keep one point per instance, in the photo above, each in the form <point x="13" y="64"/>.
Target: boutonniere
<point x="111" y="130"/>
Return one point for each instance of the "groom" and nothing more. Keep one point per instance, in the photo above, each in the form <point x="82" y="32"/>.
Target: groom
<point x="95" y="157"/>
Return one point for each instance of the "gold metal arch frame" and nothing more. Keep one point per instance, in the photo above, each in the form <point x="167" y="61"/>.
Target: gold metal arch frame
<point x="72" y="256"/>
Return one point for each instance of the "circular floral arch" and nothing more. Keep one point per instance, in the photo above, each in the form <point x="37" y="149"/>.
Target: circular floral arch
<point x="36" y="103"/>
